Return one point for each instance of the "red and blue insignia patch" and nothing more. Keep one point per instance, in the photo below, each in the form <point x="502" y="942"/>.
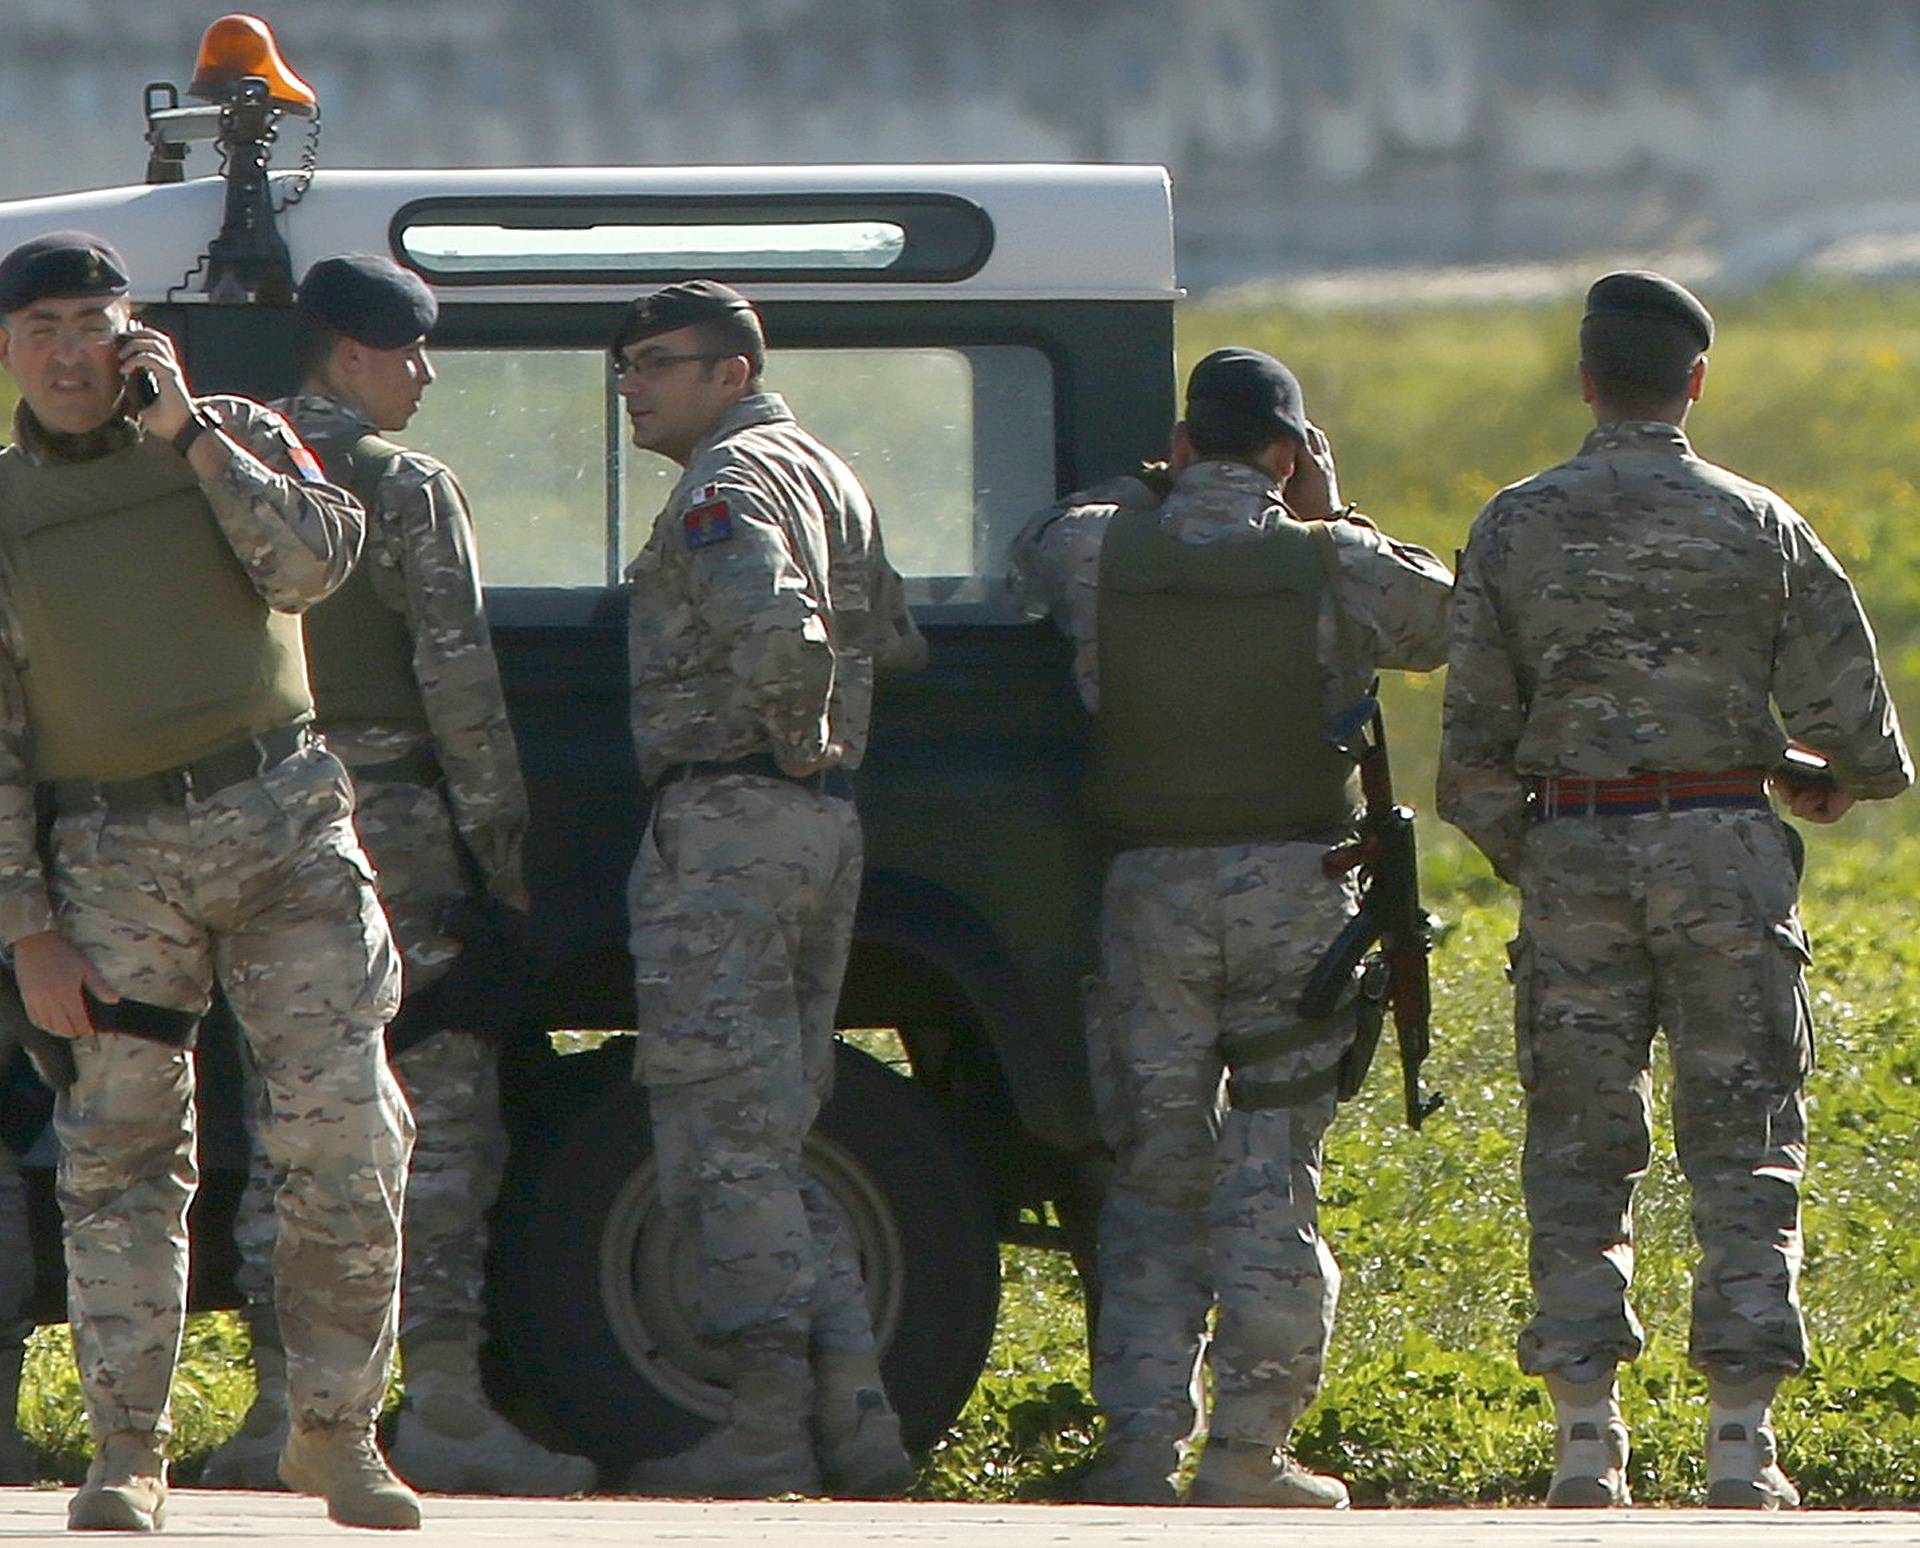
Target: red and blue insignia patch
<point x="708" y="523"/>
<point x="304" y="462"/>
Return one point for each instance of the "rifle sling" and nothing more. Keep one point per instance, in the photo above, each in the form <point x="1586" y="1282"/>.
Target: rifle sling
<point x="1242" y="1051"/>
<point x="1264" y="1095"/>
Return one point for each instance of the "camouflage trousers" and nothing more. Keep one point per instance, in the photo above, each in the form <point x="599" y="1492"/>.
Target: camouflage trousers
<point x="1203" y="954"/>
<point x="1685" y="923"/>
<point x="16" y="1241"/>
<point x="263" y="887"/>
<point x="742" y="902"/>
<point x="451" y="1081"/>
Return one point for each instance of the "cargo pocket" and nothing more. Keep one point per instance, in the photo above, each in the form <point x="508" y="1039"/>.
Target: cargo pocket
<point x="1789" y="1006"/>
<point x="1520" y="974"/>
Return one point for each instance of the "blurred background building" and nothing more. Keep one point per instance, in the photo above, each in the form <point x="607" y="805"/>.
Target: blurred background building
<point x="1303" y="134"/>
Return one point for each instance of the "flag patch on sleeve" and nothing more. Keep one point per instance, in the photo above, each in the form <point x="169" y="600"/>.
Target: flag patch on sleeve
<point x="708" y="523"/>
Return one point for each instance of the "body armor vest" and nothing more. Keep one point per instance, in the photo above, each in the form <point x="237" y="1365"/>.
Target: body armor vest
<point x="359" y="650"/>
<point x="1212" y="699"/>
<point x="144" y="643"/>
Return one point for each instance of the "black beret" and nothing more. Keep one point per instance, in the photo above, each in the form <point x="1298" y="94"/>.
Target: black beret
<point x="370" y="299"/>
<point x="679" y="306"/>
<point x="61" y="264"/>
<point x="1252" y="384"/>
<point x="1650" y="297"/>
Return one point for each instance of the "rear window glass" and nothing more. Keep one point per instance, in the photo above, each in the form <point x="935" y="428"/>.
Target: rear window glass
<point x="954" y="443"/>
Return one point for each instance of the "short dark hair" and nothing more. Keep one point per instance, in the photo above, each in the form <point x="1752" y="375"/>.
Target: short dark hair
<point x="1217" y="429"/>
<point x="1637" y="363"/>
<point x="738" y="333"/>
<point x="313" y="343"/>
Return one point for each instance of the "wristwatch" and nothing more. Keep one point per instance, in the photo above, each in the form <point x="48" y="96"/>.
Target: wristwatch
<point x="197" y="425"/>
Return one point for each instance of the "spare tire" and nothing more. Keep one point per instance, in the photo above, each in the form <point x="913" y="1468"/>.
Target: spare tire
<point x="592" y="1290"/>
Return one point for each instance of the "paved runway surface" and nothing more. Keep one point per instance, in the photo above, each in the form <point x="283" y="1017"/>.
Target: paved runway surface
<point x="197" y="1517"/>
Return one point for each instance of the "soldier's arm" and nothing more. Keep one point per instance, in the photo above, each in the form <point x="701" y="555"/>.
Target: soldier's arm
<point x="1056" y="572"/>
<point x="1827" y="680"/>
<point x="25" y="908"/>
<point x="1478" y="790"/>
<point x="296" y="535"/>
<point x="751" y="591"/>
<point x="1396" y="593"/>
<point x="898" y="644"/>
<point x="459" y="677"/>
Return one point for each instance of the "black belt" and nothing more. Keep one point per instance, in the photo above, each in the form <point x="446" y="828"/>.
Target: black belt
<point x="833" y="782"/>
<point x="418" y="767"/>
<point x="248" y="758"/>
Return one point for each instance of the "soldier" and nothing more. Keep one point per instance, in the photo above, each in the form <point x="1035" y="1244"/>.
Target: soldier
<point x="1216" y="633"/>
<point x="152" y="677"/>
<point x="17" y="1462"/>
<point x="1622" y="621"/>
<point x="760" y="603"/>
<point x="407" y="694"/>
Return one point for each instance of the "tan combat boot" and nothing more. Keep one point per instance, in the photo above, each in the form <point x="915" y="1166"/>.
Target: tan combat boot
<point x="341" y="1463"/>
<point x="250" y="1457"/>
<point x="1589" y="1444"/>
<point x="1132" y="1469"/>
<point x="18" y="1464"/>
<point x="126" y="1487"/>
<point x="449" y="1440"/>
<point x="1743" y="1470"/>
<point x="762" y="1448"/>
<point x="1234" y="1472"/>
<point x="856" y="1428"/>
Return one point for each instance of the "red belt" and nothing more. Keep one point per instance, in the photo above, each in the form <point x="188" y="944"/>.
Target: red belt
<point x="1682" y="792"/>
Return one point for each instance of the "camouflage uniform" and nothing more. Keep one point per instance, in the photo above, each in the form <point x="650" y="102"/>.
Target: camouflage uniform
<point x="1631" y="612"/>
<point x="16" y="1286"/>
<point x="419" y="548"/>
<point x="1203" y="949"/>
<point x="263" y="886"/>
<point x="759" y="605"/>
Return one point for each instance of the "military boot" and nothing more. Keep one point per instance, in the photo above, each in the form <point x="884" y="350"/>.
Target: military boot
<point x="341" y="1463"/>
<point x="250" y="1457"/>
<point x="1743" y="1470"/>
<point x="856" y="1429"/>
<point x="126" y="1487"/>
<point x="448" y="1438"/>
<point x="1131" y="1469"/>
<point x="762" y="1448"/>
<point x="1589" y="1444"/>
<point x="1236" y="1472"/>
<point x="18" y="1464"/>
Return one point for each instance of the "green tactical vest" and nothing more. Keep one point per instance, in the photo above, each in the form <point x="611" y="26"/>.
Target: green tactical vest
<point x="145" y="643"/>
<point x="1211" y="693"/>
<point x="359" y="650"/>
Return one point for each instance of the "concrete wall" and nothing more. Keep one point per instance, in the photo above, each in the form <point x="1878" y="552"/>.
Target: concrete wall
<point x="1302" y="133"/>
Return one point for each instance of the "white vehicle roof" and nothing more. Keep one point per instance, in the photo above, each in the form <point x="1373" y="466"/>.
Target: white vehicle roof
<point x="1058" y="231"/>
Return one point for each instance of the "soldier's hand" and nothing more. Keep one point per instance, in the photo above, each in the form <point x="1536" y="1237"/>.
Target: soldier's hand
<point x="148" y="349"/>
<point x="1313" y="493"/>
<point x="52" y="972"/>
<point x="1818" y="805"/>
<point x="830" y="760"/>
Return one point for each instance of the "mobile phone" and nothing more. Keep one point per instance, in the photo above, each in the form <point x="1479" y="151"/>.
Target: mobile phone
<point x="141" y="390"/>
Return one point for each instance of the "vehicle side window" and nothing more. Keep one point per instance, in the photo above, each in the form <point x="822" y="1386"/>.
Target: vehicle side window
<point x="956" y="445"/>
<point x="526" y="432"/>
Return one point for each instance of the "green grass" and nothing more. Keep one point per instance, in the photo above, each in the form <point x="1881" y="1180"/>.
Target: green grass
<point x="1813" y="391"/>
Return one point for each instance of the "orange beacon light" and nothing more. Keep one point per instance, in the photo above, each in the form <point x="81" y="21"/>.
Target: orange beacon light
<point x="238" y="46"/>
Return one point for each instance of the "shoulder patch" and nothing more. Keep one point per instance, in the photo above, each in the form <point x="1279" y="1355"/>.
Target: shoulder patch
<point x="708" y="523"/>
<point x="304" y="462"/>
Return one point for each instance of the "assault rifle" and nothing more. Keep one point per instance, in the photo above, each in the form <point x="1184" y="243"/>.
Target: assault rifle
<point x="1390" y="919"/>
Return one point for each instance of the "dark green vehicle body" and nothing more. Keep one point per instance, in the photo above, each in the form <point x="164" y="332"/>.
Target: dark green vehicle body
<point x="976" y="923"/>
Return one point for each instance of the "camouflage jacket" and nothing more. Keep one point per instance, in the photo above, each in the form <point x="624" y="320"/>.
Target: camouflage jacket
<point x="295" y="536"/>
<point x="761" y="602"/>
<point x="1392" y="597"/>
<point x="1633" y="611"/>
<point x="420" y="550"/>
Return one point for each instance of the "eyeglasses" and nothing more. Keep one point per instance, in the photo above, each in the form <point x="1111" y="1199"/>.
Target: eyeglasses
<point x="652" y="363"/>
